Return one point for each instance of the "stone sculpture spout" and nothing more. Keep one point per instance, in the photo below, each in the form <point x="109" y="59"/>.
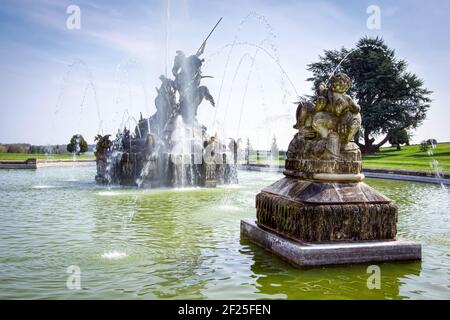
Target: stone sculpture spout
<point x="323" y="146"/>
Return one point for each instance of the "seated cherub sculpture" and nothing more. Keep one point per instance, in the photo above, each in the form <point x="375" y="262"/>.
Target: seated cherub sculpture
<point x="331" y="120"/>
<point x="337" y="116"/>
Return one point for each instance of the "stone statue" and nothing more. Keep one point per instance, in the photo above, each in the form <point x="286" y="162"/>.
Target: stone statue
<point x="321" y="198"/>
<point x="191" y="99"/>
<point x="165" y="100"/>
<point x="102" y="150"/>
<point x="187" y="71"/>
<point x="167" y="148"/>
<point x="326" y="127"/>
<point x="188" y="74"/>
<point x="336" y="113"/>
<point x="178" y="62"/>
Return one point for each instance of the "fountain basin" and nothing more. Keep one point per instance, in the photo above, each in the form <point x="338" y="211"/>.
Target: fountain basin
<point x="135" y="243"/>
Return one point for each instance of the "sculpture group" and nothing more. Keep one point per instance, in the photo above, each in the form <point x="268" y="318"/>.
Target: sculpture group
<point x="188" y="75"/>
<point x="171" y="148"/>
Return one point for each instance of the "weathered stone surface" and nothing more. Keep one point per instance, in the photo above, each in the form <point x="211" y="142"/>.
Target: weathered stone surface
<point x="320" y="211"/>
<point x="326" y="125"/>
<point x="303" y="254"/>
<point x="314" y="192"/>
<point x="321" y="166"/>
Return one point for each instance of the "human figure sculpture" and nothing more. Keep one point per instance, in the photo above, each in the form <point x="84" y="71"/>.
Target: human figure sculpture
<point x="188" y="74"/>
<point x="337" y="115"/>
<point x="187" y="71"/>
<point x="178" y="62"/>
<point x="332" y="119"/>
<point x="165" y="100"/>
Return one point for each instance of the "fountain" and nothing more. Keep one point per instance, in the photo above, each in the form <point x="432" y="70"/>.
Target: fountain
<point x="170" y="148"/>
<point x="321" y="212"/>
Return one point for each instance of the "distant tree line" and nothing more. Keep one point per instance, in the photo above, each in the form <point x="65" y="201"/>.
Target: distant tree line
<point x="31" y="149"/>
<point x="76" y="145"/>
<point x="15" y="148"/>
<point x="35" y="149"/>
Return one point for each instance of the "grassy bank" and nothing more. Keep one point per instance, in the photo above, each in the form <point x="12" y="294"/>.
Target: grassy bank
<point x="25" y="156"/>
<point x="409" y="157"/>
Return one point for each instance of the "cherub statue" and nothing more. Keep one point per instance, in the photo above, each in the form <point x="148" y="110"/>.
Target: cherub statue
<point x="335" y="111"/>
<point x="330" y="121"/>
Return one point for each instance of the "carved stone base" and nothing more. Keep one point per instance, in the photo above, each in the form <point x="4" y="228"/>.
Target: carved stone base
<point x="295" y="167"/>
<point x="326" y="211"/>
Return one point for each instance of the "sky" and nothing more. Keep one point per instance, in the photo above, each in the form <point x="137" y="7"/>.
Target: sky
<point x="56" y="80"/>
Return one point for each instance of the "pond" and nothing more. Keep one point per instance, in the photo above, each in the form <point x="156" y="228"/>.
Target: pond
<point x="186" y="244"/>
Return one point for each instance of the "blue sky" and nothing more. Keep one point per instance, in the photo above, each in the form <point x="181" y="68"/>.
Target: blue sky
<point x="55" y="82"/>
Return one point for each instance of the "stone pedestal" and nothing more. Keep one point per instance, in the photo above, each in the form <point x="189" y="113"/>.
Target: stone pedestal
<point x="314" y="223"/>
<point x="326" y="211"/>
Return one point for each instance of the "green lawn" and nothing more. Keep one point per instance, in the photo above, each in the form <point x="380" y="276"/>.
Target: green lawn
<point x="25" y="156"/>
<point x="409" y="158"/>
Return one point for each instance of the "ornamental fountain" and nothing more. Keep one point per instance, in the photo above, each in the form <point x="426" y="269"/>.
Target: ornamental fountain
<point x="170" y="148"/>
<point x="321" y="212"/>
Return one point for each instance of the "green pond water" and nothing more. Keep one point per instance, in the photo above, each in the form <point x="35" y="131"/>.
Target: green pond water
<point x="185" y="243"/>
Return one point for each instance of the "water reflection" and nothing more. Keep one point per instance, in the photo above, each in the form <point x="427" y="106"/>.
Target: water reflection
<point x="278" y="279"/>
<point x="164" y="235"/>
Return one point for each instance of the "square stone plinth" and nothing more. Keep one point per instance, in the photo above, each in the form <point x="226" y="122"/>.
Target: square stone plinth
<point x="303" y="254"/>
<point x="314" y="211"/>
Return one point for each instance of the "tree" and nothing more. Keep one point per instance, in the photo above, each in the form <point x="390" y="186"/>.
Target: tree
<point x="391" y="98"/>
<point x="77" y="144"/>
<point x="398" y="138"/>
